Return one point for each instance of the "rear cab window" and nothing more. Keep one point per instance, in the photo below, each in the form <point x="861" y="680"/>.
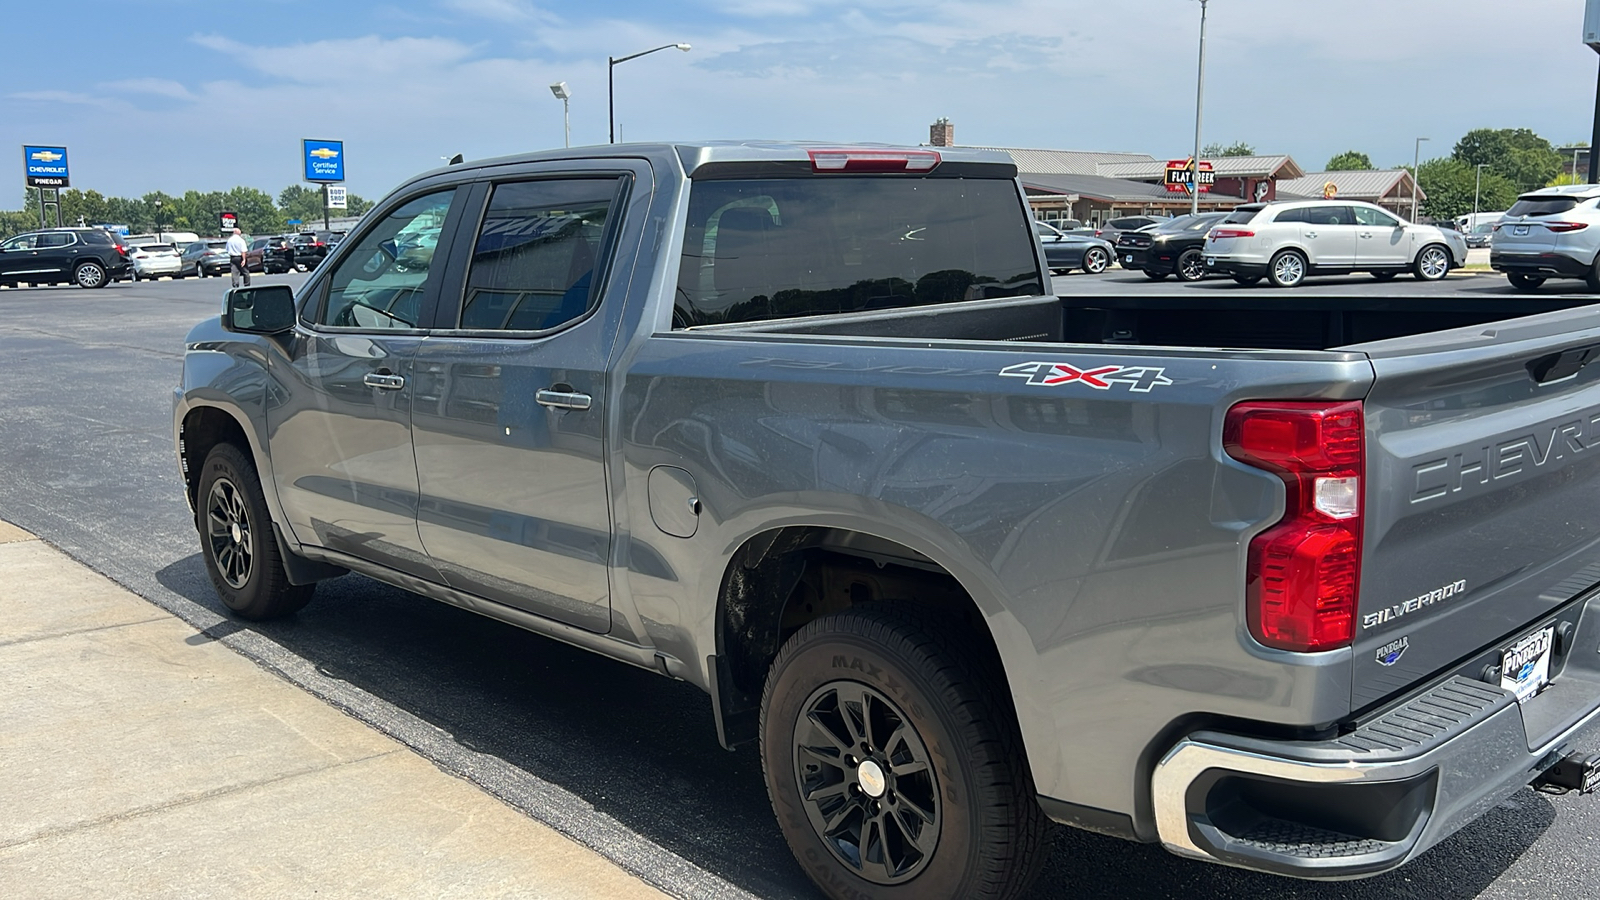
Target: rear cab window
<point x="781" y="247"/>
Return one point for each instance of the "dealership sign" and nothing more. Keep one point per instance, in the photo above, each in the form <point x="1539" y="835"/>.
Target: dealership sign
<point x="1180" y="176"/>
<point x="45" y="166"/>
<point x="337" y="199"/>
<point x="324" y="160"/>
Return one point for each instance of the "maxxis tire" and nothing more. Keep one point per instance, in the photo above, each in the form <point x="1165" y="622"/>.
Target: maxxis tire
<point x="1524" y="282"/>
<point x="89" y="275"/>
<point x="264" y="591"/>
<point x="922" y="668"/>
<point x="1428" y="266"/>
<point x="1095" y="261"/>
<point x="1282" y="269"/>
<point x="1195" y="268"/>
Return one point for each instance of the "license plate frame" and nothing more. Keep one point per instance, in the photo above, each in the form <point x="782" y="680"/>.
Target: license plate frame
<point x="1519" y="230"/>
<point x="1525" y="664"/>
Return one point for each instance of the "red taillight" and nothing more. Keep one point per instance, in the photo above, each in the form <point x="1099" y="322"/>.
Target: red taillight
<point x="1302" y="575"/>
<point x="1219" y="233"/>
<point x="1564" y="227"/>
<point x="872" y="160"/>
<point x="123" y="250"/>
<point x="318" y="244"/>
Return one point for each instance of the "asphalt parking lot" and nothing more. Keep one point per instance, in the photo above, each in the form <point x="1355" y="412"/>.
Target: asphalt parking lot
<point x="621" y="759"/>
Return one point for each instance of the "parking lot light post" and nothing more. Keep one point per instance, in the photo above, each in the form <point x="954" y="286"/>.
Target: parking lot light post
<point x="1416" y="177"/>
<point x="564" y="94"/>
<point x="1477" y="184"/>
<point x="611" y="82"/>
<point x="1199" y="104"/>
<point x="157" y="204"/>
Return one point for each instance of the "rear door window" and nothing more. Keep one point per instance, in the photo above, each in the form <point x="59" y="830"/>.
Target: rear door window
<point x="782" y="247"/>
<point x="55" y="239"/>
<point x="1287" y="216"/>
<point x="536" y="259"/>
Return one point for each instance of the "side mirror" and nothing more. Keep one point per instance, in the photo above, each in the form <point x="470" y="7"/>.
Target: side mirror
<point x="259" y="310"/>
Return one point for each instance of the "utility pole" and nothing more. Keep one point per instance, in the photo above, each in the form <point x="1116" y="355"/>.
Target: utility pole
<point x="1416" y="177"/>
<point x="1199" y="105"/>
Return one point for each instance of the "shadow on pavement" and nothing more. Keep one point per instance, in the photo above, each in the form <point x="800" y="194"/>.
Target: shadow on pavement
<point x="641" y="749"/>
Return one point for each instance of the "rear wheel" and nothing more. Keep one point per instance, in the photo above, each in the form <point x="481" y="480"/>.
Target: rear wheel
<point x="1096" y="260"/>
<point x="237" y="541"/>
<point x="1433" y="263"/>
<point x="1287" y="269"/>
<point x="1191" y="265"/>
<point x="894" y="766"/>
<point x="89" y="274"/>
<point x="1524" y="282"/>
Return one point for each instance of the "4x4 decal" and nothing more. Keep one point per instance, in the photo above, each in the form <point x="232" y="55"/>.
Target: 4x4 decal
<point x="1139" y="379"/>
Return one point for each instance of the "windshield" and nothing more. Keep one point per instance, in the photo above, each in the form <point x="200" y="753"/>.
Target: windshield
<point x="780" y="247"/>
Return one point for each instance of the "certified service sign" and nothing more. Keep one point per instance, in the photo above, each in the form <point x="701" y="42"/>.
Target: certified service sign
<point x="324" y="160"/>
<point x="45" y="166"/>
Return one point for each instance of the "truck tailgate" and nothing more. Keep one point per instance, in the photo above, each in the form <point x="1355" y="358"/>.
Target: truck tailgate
<point x="1483" y="491"/>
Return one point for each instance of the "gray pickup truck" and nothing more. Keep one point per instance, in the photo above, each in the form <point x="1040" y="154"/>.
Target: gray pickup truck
<point x="1302" y="587"/>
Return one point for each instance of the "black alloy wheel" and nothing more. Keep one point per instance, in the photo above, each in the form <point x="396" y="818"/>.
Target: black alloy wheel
<point x="1191" y="265"/>
<point x="893" y="759"/>
<point x="237" y="541"/>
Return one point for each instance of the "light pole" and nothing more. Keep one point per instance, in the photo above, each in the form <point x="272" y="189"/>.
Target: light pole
<point x="1199" y="103"/>
<point x="157" y="204"/>
<point x="1416" y="160"/>
<point x="1477" y="183"/>
<point x="611" y="82"/>
<point x="563" y="93"/>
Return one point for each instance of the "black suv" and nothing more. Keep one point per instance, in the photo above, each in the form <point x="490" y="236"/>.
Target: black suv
<point x="271" y="255"/>
<point x="87" y="257"/>
<point x="310" y="247"/>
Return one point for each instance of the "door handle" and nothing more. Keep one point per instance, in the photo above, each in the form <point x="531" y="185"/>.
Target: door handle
<point x="1311" y="234"/>
<point x="563" y="399"/>
<point x="384" y="380"/>
<point x="1366" y="234"/>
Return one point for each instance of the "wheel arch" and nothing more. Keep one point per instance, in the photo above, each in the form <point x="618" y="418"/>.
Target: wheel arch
<point x="779" y="579"/>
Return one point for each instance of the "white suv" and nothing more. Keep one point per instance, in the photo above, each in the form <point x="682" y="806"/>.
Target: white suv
<point x="1285" y="241"/>
<point x="1550" y="233"/>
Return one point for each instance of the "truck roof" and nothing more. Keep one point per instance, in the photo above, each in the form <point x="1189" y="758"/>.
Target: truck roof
<point x="694" y="154"/>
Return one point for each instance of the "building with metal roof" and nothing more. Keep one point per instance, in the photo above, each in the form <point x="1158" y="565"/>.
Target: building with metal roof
<point x="1388" y="188"/>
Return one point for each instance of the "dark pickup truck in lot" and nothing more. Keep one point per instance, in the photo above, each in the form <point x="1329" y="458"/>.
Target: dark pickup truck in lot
<point x="1301" y="588"/>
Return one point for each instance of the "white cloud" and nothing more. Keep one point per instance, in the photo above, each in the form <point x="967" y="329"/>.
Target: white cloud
<point x="159" y="87"/>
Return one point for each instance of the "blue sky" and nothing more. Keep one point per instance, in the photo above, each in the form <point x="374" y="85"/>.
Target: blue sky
<point x="171" y="94"/>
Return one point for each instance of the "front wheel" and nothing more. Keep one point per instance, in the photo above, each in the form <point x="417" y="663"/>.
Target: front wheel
<point x="237" y="542"/>
<point x="1096" y="260"/>
<point x="1524" y="282"/>
<point x="1191" y="265"/>
<point x="1432" y="264"/>
<point x="89" y="274"/>
<point x="894" y="762"/>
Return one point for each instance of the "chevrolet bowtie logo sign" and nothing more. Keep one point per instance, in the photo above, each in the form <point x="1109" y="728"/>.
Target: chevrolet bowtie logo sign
<point x="324" y="153"/>
<point x="45" y="167"/>
<point x="48" y="156"/>
<point x="324" y="161"/>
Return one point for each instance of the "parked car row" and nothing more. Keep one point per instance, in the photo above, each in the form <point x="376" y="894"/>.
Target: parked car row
<point x="1283" y="242"/>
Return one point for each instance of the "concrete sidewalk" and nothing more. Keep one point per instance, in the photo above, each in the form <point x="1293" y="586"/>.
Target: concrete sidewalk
<point x="138" y="758"/>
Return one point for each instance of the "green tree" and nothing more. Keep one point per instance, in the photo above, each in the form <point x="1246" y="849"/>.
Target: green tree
<point x="300" y="202"/>
<point x="1449" y="184"/>
<point x="1237" y="148"/>
<point x="1349" y="161"/>
<point x="1517" y="154"/>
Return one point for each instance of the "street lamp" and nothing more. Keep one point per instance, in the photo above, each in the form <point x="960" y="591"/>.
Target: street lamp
<point x="1477" y="182"/>
<point x="611" y="82"/>
<point x="1199" y="100"/>
<point x="1416" y="160"/>
<point x="563" y="93"/>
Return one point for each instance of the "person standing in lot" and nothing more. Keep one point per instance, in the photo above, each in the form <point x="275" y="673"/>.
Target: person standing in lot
<point x="237" y="246"/>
